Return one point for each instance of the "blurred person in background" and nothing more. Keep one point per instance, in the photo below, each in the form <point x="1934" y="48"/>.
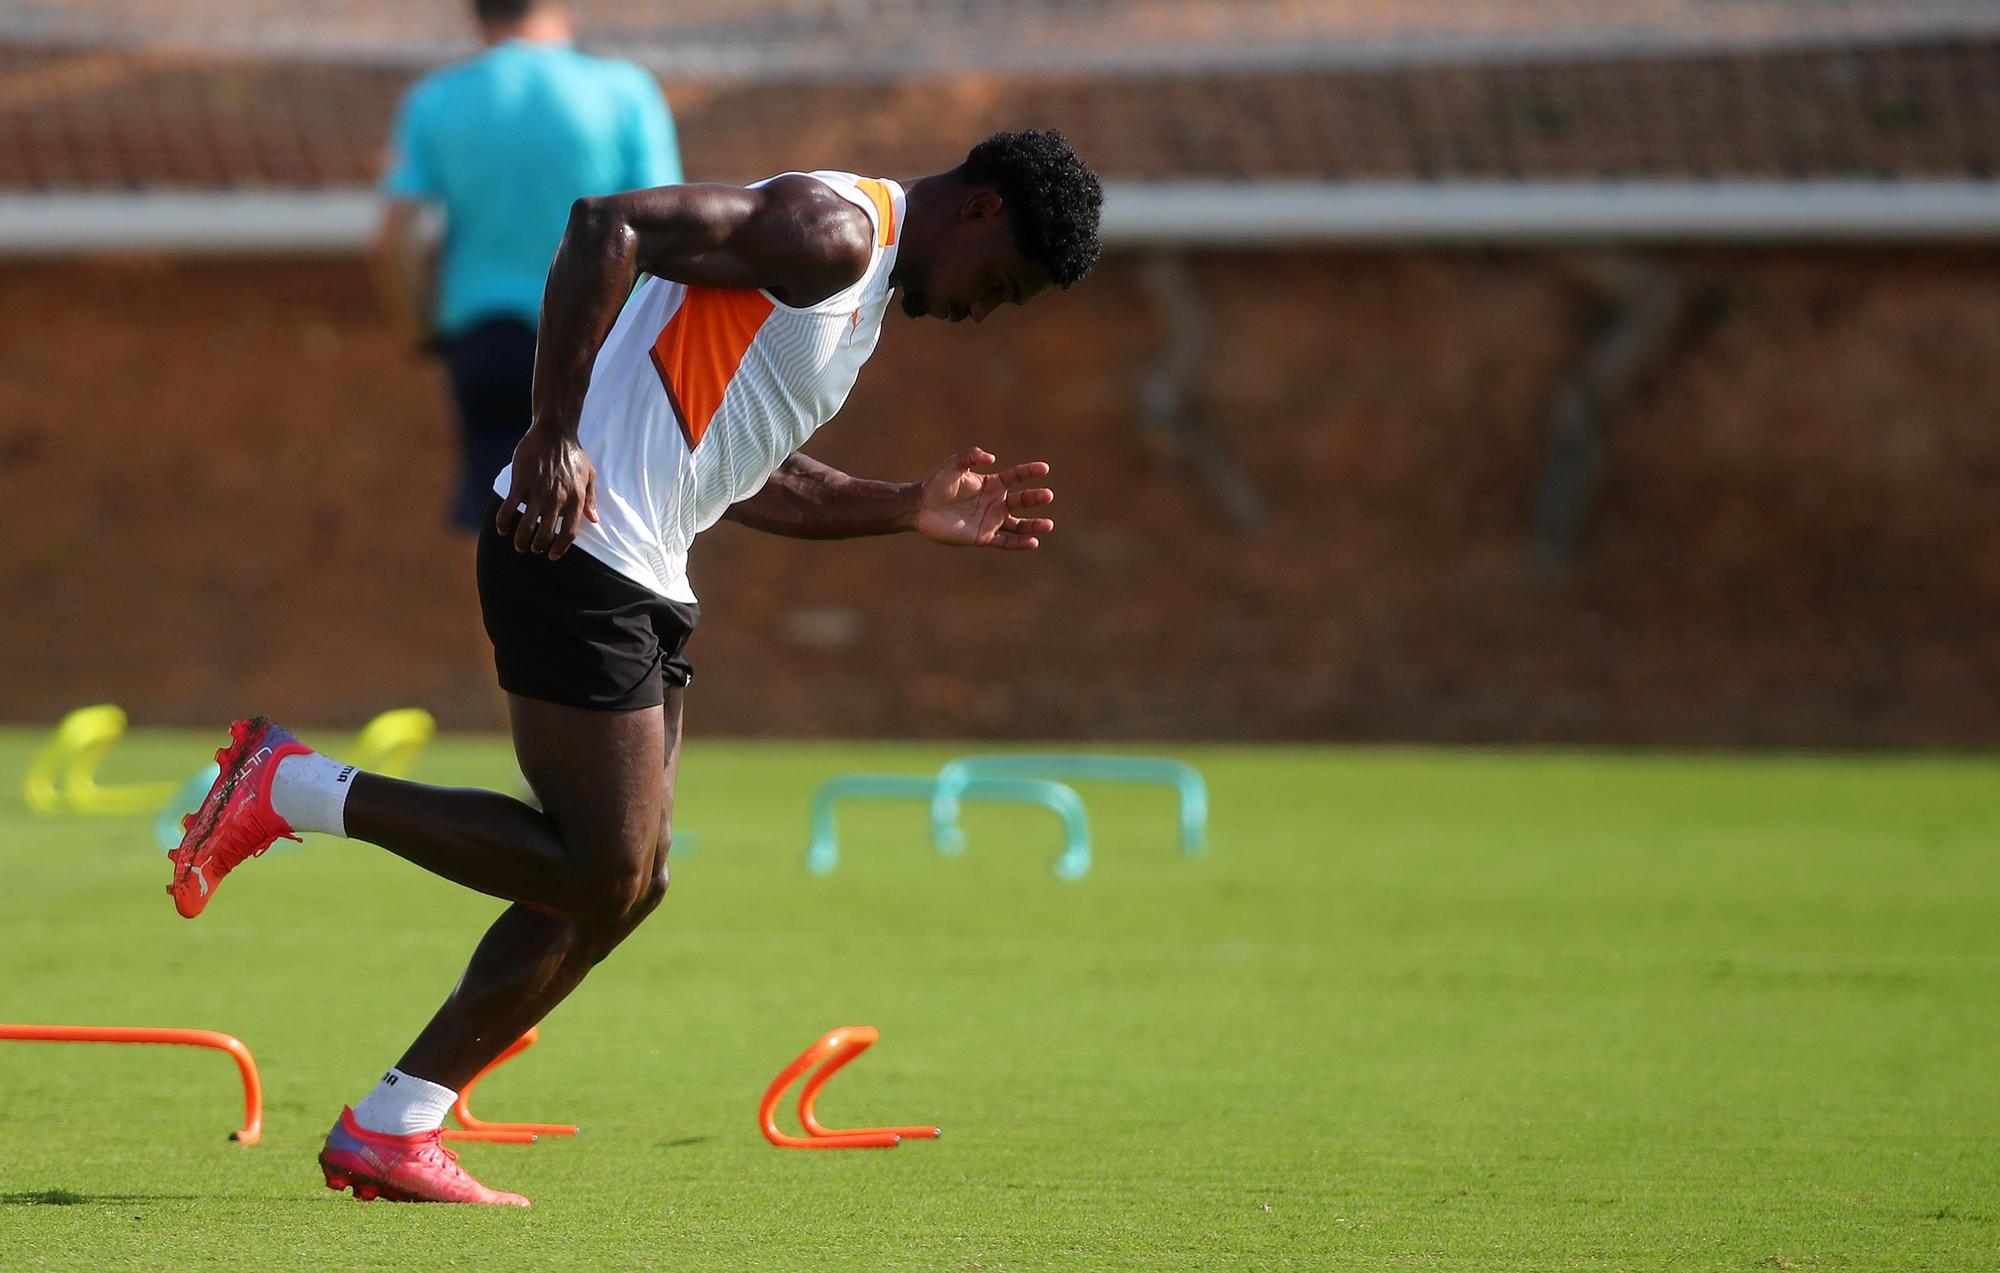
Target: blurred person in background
<point x="501" y="144"/>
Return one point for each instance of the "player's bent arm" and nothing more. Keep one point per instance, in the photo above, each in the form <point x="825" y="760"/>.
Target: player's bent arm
<point x="403" y="266"/>
<point x="956" y="505"/>
<point x="806" y="499"/>
<point x="793" y="237"/>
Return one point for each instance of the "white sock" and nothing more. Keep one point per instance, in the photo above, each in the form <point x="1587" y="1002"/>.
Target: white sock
<point x="310" y="792"/>
<point x="403" y="1105"/>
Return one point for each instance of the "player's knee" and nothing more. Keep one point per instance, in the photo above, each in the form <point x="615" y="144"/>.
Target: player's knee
<point x="648" y="896"/>
<point x="656" y="885"/>
<point x="660" y="881"/>
<point x="603" y="931"/>
<point x="614" y="893"/>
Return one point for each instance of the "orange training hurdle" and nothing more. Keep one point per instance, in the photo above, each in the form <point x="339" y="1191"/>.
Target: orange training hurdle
<point x="834" y="1049"/>
<point x="471" y="1128"/>
<point x="253" y="1089"/>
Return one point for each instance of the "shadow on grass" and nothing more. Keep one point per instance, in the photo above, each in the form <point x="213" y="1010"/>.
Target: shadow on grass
<point x="685" y="1141"/>
<point x="70" y="1198"/>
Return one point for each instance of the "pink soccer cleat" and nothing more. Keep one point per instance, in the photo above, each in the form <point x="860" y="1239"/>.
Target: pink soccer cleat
<point x="235" y="820"/>
<point x="401" y="1168"/>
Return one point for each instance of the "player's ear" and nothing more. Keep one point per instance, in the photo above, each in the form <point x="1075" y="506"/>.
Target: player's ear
<point x="980" y="205"/>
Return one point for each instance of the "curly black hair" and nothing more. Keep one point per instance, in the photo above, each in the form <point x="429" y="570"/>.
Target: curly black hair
<point x="1052" y="196"/>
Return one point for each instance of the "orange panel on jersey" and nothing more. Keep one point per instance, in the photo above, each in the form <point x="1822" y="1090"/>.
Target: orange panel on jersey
<point x="701" y="347"/>
<point x="878" y="194"/>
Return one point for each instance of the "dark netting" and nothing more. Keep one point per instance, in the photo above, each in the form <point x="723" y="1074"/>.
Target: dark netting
<point x="199" y="94"/>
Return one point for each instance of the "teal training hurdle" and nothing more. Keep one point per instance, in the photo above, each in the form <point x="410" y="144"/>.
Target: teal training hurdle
<point x="1072" y="864"/>
<point x="957" y="778"/>
<point x="185" y="800"/>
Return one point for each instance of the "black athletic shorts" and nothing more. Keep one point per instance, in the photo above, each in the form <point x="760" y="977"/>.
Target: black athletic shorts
<point x="492" y="366"/>
<point x="575" y="631"/>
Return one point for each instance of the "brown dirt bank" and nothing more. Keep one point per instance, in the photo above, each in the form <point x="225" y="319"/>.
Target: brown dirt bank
<point x="225" y="486"/>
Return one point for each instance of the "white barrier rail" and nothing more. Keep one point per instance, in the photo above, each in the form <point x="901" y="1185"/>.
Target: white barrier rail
<point x="1216" y="214"/>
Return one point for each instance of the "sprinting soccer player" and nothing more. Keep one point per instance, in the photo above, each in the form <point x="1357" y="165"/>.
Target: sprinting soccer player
<point x="654" y="417"/>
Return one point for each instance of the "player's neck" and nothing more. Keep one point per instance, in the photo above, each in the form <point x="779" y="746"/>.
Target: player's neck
<point x="540" y="27"/>
<point x="921" y="200"/>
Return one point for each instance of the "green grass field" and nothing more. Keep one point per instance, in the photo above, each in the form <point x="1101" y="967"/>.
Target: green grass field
<point x="1417" y="1010"/>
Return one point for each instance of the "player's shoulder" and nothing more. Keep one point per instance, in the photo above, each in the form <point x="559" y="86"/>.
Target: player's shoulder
<point x="435" y="89"/>
<point x="615" y="73"/>
<point x="831" y="231"/>
<point x="811" y="198"/>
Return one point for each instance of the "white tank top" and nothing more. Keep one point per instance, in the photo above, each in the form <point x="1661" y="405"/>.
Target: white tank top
<point x="700" y="393"/>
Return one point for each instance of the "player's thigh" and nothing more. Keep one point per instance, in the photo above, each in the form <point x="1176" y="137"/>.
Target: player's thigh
<point x="597" y="775"/>
<point x="670" y="775"/>
<point x="671" y="712"/>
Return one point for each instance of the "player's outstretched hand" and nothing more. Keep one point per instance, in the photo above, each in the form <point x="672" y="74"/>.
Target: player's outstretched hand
<point x="965" y="508"/>
<point x="554" y="488"/>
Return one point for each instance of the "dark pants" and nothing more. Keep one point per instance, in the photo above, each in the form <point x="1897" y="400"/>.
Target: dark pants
<point x="492" y="366"/>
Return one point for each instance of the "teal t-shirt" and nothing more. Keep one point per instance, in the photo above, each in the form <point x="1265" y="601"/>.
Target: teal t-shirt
<point x="505" y="142"/>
